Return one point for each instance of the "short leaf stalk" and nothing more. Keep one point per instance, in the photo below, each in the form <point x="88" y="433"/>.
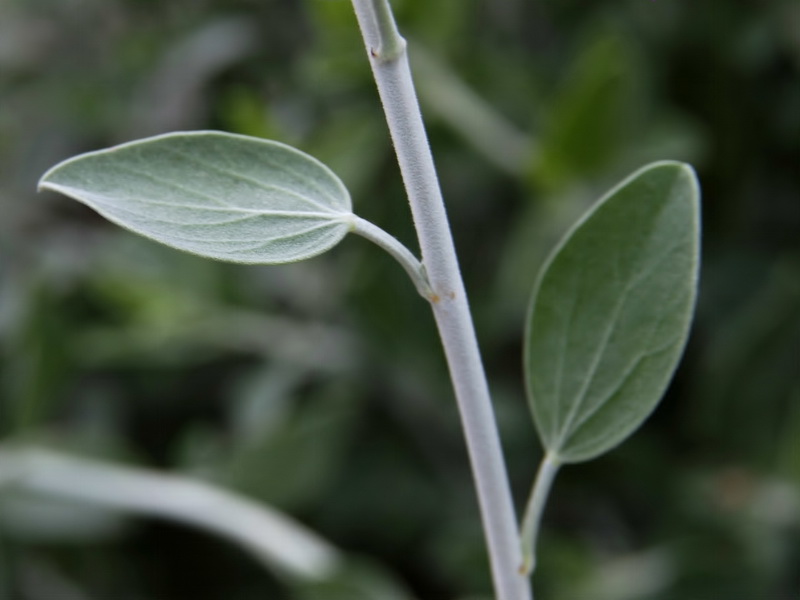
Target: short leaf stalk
<point x="397" y="250"/>
<point x="386" y="49"/>
<point x="533" y="512"/>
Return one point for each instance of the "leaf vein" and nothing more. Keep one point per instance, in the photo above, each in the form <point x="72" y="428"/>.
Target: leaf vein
<point x="626" y="375"/>
<point x="264" y="241"/>
<point x="252" y="180"/>
<point x="580" y="400"/>
<point x="255" y="214"/>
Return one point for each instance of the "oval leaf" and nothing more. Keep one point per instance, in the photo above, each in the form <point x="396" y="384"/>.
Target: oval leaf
<point x="611" y="312"/>
<point x="219" y="195"/>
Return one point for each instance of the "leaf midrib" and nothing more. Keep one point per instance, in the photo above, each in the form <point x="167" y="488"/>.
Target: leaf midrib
<point x="256" y="182"/>
<point x="224" y="205"/>
<point x="580" y="400"/>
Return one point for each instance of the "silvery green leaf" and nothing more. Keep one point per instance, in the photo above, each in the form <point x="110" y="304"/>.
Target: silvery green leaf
<point x="219" y="195"/>
<point x="611" y="311"/>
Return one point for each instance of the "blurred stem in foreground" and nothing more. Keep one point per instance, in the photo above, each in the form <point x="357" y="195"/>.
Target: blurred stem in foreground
<point x="273" y="538"/>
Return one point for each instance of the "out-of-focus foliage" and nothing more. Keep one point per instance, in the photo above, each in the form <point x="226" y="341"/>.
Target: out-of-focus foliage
<point x="319" y="387"/>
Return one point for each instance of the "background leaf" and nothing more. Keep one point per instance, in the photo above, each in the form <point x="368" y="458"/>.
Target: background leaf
<point x="611" y="313"/>
<point x="215" y="194"/>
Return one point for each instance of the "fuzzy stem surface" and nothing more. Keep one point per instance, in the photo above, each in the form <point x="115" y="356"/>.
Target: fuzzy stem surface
<point x="389" y="62"/>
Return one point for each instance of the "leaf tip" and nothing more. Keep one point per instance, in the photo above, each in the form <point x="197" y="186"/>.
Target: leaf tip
<point x="683" y="170"/>
<point x="44" y="183"/>
<point x="691" y="175"/>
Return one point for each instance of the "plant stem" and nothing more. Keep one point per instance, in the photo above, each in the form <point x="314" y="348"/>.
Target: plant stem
<point x="389" y="61"/>
<point x="533" y="512"/>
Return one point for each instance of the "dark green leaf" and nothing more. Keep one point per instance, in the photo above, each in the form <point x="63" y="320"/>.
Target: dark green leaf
<point x="611" y="313"/>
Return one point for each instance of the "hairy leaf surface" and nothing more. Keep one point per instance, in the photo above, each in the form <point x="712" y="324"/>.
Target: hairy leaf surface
<point x="219" y="195"/>
<point x="611" y="311"/>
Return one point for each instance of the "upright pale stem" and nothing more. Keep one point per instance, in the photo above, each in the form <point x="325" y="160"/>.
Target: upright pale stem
<point x="386" y="49"/>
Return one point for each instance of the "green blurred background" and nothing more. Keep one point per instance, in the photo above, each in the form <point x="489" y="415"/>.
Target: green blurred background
<point x="319" y="387"/>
